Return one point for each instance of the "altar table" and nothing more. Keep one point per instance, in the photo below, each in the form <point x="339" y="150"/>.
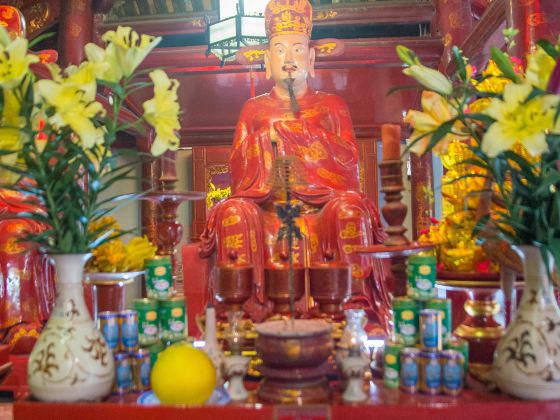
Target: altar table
<point x="384" y="404"/>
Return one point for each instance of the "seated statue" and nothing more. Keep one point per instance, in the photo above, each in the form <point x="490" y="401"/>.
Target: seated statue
<point x="316" y="129"/>
<point x="26" y="281"/>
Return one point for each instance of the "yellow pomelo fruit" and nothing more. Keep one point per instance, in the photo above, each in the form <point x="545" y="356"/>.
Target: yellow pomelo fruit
<point x="183" y="374"/>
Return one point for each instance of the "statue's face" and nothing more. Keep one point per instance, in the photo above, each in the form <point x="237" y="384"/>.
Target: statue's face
<point x="289" y="56"/>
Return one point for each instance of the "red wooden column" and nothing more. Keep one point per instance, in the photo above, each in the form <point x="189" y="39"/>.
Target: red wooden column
<point x="535" y="19"/>
<point x="455" y="22"/>
<point x="76" y="30"/>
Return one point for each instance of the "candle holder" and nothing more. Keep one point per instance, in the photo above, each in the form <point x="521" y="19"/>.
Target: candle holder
<point x="169" y="231"/>
<point x="394" y="211"/>
<point x="396" y="246"/>
<point x="353" y="369"/>
<point x="236" y="365"/>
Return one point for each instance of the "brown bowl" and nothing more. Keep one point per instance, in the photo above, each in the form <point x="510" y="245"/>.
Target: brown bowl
<point x="303" y="344"/>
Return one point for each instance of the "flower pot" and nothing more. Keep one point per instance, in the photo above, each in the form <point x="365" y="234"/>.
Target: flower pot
<point x="527" y="360"/>
<point x="71" y="360"/>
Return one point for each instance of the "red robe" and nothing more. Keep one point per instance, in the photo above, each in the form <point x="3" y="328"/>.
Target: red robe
<point x="26" y="281"/>
<point x="336" y="217"/>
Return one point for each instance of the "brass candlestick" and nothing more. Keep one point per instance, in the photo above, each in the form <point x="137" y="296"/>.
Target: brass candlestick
<point x="396" y="246"/>
<point x="394" y="212"/>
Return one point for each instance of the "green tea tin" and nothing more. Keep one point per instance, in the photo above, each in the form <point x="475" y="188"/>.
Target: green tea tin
<point x="159" y="279"/>
<point x="392" y="364"/>
<point x="148" y="323"/>
<point x="421" y="277"/>
<point x="405" y="313"/>
<point x="173" y="321"/>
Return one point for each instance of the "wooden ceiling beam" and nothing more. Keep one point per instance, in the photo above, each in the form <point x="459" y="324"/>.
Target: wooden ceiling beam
<point x="323" y="16"/>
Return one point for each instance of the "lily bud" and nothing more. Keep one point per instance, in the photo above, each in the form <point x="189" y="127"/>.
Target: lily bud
<point x="407" y="56"/>
<point x="430" y="79"/>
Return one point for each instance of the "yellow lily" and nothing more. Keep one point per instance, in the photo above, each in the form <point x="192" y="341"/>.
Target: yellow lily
<point x="162" y="112"/>
<point x="5" y="38"/>
<point x="72" y="110"/>
<point x="437" y="111"/>
<point x="14" y="63"/>
<point x="130" y="48"/>
<point x="10" y="140"/>
<point x="84" y="78"/>
<point x="519" y="120"/>
<point x="12" y="106"/>
<point x="430" y="78"/>
<point x="107" y="66"/>
<point x="494" y="80"/>
<point x="540" y="66"/>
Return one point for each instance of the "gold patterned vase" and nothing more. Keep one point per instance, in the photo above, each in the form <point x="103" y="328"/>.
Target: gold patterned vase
<point x="527" y="358"/>
<point x="71" y="360"/>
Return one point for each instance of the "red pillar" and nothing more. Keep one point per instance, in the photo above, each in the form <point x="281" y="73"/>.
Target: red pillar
<point x="455" y="22"/>
<point x="76" y="30"/>
<point x="535" y="19"/>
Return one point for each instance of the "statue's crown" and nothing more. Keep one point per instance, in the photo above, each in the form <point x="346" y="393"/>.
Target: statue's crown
<point x="288" y="17"/>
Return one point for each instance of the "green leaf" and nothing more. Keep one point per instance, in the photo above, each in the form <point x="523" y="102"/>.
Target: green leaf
<point x="486" y="119"/>
<point x="441" y="132"/>
<point x="548" y="47"/>
<point x="466" y="176"/>
<point x="460" y="63"/>
<point x="40" y="38"/>
<point x="404" y="87"/>
<point x="504" y="64"/>
<point x="548" y="181"/>
<point x="115" y="87"/>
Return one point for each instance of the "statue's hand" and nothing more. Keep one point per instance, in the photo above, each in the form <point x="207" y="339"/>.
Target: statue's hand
<point x="294" y="131"/>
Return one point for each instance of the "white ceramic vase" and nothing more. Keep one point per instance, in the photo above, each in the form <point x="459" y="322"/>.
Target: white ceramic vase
<point x="71" y="360"/>
<point x="527" y="358"/>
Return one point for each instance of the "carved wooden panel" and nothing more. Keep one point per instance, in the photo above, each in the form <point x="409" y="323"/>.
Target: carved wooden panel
<point x="211" y="175"/>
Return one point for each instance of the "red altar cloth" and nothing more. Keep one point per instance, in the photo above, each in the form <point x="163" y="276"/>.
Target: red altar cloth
<point x="384" y="404"/>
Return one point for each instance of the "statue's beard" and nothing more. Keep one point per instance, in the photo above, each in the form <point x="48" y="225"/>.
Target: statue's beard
<point x="294" y="106"/>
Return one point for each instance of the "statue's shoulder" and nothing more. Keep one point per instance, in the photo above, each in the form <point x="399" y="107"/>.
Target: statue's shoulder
<point x="330" y="99"/>
<point x="258" y="101"/>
